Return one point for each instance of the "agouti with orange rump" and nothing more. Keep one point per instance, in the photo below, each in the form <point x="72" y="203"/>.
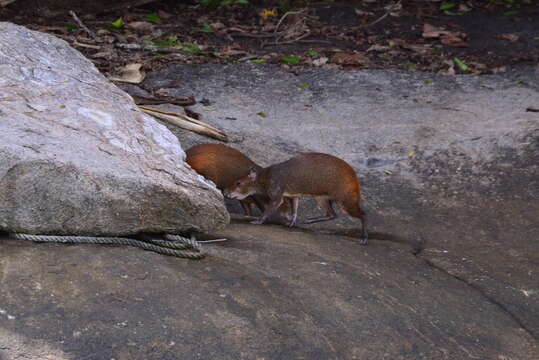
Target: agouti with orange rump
<point x="325" y="177"/>
<point x="224" y="166"/>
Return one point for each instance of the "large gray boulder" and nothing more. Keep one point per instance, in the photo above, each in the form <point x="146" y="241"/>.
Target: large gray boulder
<point x="77" y="157"/>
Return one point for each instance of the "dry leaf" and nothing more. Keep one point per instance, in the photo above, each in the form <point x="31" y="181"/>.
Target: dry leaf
<point x="379" y="48"/>
<point x="320" y="61"/>
<point x="499" y="69"/>
<point x="430" y="31"/>
<point x="130" y="74"/>
<point x="217" y="25"/>
<point x="143" y="26"/>
<point x="456" y="39"/>
<point x="266" y="13"/>
<point x="510" y="37"/>
<point x="342" y="58"/>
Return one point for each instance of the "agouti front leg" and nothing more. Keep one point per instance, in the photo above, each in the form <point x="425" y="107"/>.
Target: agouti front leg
<point x="294" y="202"/>
<point x="275" y="202"/>
<point x="246" y="205"/>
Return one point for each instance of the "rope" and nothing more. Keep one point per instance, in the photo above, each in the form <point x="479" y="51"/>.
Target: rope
<point x="175" y="247"/>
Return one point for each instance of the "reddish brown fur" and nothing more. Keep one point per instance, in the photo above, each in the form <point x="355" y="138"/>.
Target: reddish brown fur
<point x="219" y="163"/>
<point x="323" y="176"/>
<point x="224" y="166"/>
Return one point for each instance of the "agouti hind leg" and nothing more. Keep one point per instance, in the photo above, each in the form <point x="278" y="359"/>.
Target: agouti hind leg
<point x="351" y="207"/>
<point x="326" y="205"/>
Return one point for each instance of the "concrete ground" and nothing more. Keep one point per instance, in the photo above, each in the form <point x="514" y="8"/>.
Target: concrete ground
<point x="449" y="167"/>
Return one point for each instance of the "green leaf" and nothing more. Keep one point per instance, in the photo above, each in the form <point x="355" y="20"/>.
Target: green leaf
<point x="169" y="41"/>
<point x="291" y="59"/>
<point x="428" y="82"/>
<point x="447" y="5"/>
<point x="510" y="13"/>
<point x="206" y="28"/>
<point x="258" y="61"/>
<point x="262" y="114"/>
<point x="313" y="53"/>
<point x="118" y="24"/>
<point x="461" y="65"/>
<point x="153" y="17"/>
<point x="192" y="49"/>
<point x="242" y="2"/>
<point x="71" y="27"/>
<point x="62" y="106"/>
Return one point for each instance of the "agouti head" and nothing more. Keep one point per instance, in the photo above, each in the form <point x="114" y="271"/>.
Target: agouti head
<point x="246" y="186"/>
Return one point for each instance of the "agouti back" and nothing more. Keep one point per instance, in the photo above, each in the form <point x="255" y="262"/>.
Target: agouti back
<point x="224" y="166"/>
<point x="325" y="177"/>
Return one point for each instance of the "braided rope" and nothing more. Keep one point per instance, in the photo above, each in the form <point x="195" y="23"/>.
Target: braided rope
<point x="155" y="245"/>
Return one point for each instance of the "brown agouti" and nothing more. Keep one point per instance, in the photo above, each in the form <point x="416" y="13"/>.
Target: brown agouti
<point x="325" y="177"/>
<point x="224" y="166"/>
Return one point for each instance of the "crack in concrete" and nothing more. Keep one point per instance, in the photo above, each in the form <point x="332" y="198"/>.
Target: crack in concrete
<point x="481" y="292"/>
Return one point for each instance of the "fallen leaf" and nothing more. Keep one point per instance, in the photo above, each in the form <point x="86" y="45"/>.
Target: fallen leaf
<point x="461" y="65"/>
<point x="377" y="47"/>
<point x="118" y="24"/>
<point x="266" y="13"/>
<point x="430" y="31"/>
<point x="350" y="59"/>
<point x="142" y="26"/>
<point x="130" y="74"/>
<point x="499" y="69"/>
<point x="262" y="114"/>
<point x="418" y="48"/>
<point x="153" y="17"/>
<point x="510" y="37"/>
<point x="258" y="61"/>
<point x="456" y="39"/>
<point x="320" y="61"/>
<point x="217" y="25"/>
<point x="291" y="59"/>
<point x="163" y="14"/>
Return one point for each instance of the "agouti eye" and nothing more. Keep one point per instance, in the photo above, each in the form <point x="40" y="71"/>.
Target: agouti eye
<point x="238" y="183"/>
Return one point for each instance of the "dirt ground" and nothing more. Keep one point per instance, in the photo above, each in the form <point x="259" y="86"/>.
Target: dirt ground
<point x="470" y="37"/>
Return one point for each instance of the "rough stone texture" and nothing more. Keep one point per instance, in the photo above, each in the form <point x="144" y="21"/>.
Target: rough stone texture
<point x="450" y="271"/>
<point x="269" y="293"/>
<point x="449" y="165"/>
<point x="77" y="157"/>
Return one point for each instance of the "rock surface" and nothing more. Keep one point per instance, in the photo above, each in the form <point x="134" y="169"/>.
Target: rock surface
<point x="449" y="164"/>
<point x="77" y="157"/>
<point x="268" y="293"/>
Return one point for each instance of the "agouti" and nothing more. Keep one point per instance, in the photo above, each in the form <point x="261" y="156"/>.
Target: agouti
<point x="224" y="166"/>
<point x="325" y="177"/>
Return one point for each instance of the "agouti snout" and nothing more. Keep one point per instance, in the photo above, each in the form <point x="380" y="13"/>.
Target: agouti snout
<point x="325" y="177"/>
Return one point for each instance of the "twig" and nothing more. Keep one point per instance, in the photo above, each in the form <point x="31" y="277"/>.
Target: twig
<point x="141" y="100"/>
<point x="186" y="122"/>
<point x="245" y="34"/>
<point x="96" y="47"/>
<point x="285" y="15"/>
<point x="84" y="27"/>
<point x="247" y="58"/>
<point x="146" y="47"/>
<point x="383" y="16"/>
<point x="299" y="38"/>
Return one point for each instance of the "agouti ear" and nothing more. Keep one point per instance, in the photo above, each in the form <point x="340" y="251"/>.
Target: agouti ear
<point x="252" y="174"/>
